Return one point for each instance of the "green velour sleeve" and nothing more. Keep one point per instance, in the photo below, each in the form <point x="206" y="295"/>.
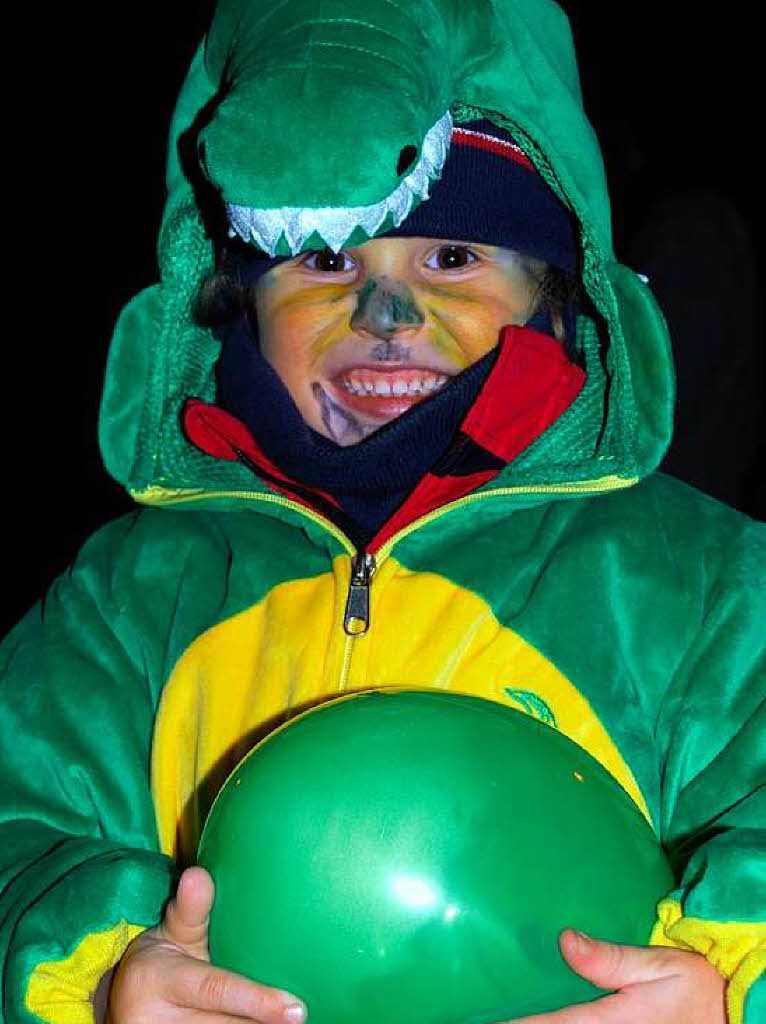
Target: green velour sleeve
<point x="80" y="868"/>
<point x="712" y="732"/>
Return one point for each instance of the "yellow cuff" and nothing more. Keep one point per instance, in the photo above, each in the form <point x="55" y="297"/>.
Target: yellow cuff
<point x="737" y="949"/>
<point x="61" y="991"/>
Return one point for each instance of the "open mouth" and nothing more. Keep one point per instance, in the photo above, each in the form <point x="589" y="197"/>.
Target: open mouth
<point x="383" y="394"/>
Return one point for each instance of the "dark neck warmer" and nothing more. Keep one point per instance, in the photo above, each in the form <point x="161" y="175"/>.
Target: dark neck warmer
<point x="371" y="479"/>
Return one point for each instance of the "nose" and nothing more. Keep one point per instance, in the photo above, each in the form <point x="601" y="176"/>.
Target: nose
<point x="386" y="307"/>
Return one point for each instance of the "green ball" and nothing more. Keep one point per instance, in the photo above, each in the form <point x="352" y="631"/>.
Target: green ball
<point x="410" y="857"/>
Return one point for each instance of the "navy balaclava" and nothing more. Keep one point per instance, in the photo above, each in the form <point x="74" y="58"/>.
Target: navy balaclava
<point x="489" y="192"/>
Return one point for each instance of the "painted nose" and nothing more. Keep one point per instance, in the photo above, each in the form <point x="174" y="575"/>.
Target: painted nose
<point x="385" y="307"/>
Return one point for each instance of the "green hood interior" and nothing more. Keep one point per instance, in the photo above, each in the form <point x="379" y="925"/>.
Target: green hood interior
<point x="307" y="106"/>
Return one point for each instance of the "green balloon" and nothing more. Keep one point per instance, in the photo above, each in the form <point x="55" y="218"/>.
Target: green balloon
<point x="410" y="857"/>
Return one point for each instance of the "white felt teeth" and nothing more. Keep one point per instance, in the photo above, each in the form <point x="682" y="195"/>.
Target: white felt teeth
<point x="336" y="224"/>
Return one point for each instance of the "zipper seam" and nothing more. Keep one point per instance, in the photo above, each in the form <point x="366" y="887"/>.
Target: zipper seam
<point x="270" y="499"/>
<point x="584" y="487"/>
<point x="471" y="499"/>
<point x="384" y="551"/>
<point x="346" y="665"/>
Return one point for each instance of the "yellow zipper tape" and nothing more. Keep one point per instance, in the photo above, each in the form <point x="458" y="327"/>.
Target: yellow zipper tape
<point x="599" y="486"/>
<point x="161" y="496"/>
<point x="166" y="496"/>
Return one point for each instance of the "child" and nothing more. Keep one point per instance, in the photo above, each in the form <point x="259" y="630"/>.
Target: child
<point x="399" y="426"/>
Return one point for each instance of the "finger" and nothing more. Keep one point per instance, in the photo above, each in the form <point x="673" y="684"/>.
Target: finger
<point x="187" y="915"/>
<point x="212" y="990"/>
<point x="610" y="965"/>
<point x="205" y="1017"/>
<point x="608" y="1010"/>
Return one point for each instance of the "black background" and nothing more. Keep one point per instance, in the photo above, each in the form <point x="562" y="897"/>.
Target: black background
<point x="675" y="99"/>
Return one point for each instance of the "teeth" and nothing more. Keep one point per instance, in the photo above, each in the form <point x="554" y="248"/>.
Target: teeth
<point x="335" y="225"/>
<point x="397" y="388"/>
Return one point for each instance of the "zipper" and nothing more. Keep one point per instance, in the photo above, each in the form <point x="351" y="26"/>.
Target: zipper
<point x="599" y="486"/>
<point x="346" y="664"/>
<point x="356" y="619"/>
<point x="165" y="496"/>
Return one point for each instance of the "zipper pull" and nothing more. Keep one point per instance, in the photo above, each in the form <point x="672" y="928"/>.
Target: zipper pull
<point x="356" y="620"/>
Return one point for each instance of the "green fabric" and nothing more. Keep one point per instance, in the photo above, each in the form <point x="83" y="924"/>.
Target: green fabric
<point x="656" y="596"/>
<point x="669" y="653"/>
<point x="273" y="125"/>
<point x="650" y="599"/>
<point x="301" y="73"/>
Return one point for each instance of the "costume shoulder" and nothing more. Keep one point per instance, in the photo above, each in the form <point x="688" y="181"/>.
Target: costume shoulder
<point x="692" y="519"/>
<point x="709" y="731"/>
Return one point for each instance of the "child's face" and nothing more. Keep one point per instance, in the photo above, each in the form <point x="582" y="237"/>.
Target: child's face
<point x="360" y="337"/>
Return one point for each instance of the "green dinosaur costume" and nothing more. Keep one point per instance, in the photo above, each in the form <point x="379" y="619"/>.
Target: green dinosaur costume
<point x="620" y="607"/>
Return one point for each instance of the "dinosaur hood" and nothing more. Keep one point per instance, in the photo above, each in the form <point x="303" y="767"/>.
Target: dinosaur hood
<point x="308" y="124"/>
<point x="318" y="104"/>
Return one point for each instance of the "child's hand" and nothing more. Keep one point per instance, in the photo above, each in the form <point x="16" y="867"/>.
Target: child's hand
<point x="165" y="977"/>
<point x="654" y="985"/>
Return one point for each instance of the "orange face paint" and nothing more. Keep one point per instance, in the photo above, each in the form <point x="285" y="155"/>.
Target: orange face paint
<point x="360" y="337"/>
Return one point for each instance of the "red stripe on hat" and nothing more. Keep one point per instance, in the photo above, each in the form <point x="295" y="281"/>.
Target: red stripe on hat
<point x="466" y="137"/>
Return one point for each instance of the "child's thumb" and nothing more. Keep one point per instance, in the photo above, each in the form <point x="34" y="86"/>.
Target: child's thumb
<point x="186" y="917"/>
<point x="608" y="964"/>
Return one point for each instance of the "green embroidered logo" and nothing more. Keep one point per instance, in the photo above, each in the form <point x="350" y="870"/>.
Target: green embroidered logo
<point x="532" y="705"/>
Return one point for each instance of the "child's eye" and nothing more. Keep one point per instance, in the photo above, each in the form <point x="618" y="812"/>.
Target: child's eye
<point x="329" y="262"/>
<point x="451" y="257"/>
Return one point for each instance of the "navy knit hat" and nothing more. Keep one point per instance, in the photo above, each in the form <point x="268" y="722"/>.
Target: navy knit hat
<point x="490" y="192"/>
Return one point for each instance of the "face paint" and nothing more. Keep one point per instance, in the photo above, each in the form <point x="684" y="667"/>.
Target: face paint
<point x="361" y="336"/>
<point x="385" y="306"/>
<point x="341" y="425"/>
<point x="390" y="352"/>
